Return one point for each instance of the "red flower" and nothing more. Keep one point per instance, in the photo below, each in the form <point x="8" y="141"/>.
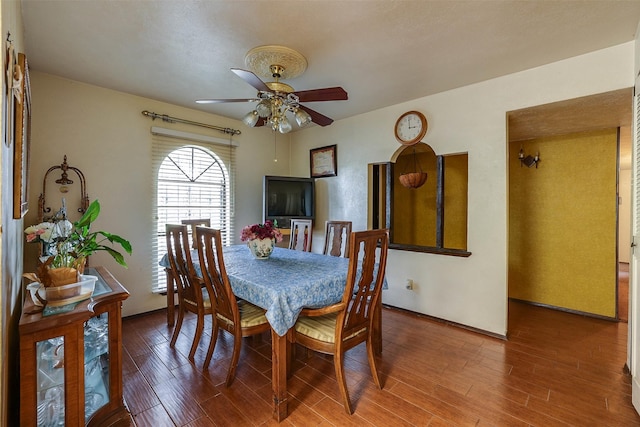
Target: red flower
<point x="261" y="231"/>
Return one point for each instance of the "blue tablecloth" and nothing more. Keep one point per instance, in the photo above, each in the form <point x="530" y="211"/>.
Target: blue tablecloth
<point x="285" y="282"/>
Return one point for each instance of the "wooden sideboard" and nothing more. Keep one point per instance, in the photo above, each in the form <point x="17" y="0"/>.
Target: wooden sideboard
<point x="71" y="359"/>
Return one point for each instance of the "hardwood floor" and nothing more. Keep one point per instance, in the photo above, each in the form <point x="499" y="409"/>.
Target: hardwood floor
<point x="556" y="369"/>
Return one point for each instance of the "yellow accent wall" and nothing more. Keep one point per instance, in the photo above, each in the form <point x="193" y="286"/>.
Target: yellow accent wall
<point x="562" y="222"/>
<point x="456" y="179"/>
<point x="414" y="209"/>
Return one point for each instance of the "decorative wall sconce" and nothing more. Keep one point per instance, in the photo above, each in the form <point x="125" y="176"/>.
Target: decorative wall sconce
<point x="529" y="160"/>
<point x="64" y="182"/>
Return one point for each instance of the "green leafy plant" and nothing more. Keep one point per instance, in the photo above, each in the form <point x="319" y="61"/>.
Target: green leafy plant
<point x="71" y="245"/>
<point x="83" y="242"/>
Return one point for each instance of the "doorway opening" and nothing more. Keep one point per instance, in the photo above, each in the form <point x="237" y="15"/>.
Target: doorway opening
<point x="611" y="110"/>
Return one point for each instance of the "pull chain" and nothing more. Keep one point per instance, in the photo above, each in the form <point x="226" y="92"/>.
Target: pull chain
<point x="275" y="148"/>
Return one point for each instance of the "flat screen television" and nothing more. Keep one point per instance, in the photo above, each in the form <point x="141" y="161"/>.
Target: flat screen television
<point x="287" y="197"/>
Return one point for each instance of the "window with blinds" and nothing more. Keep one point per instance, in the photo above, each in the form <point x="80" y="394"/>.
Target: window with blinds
<point x="193" y="180"/>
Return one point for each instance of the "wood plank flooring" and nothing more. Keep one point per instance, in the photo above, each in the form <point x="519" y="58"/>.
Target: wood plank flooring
<point x="556" y="369"/>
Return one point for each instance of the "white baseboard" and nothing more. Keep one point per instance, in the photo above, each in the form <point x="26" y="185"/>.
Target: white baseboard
<point x="635" y="393"/>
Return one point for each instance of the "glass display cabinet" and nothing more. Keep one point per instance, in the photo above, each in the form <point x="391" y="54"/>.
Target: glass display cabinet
<point x="71" y="359"/>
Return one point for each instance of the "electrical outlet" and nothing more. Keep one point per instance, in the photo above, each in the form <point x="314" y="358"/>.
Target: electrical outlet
<point x="409" y="284"/>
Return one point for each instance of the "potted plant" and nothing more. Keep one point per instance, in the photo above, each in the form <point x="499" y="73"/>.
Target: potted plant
<point x="70" y="245"/>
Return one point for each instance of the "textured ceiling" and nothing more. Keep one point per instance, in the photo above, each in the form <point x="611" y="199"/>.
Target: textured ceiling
<point x="601" y="111"/>
<point x="381" y="52"/>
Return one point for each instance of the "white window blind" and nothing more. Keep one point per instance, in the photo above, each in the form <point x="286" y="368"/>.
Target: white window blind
<point x="192" y="180"/>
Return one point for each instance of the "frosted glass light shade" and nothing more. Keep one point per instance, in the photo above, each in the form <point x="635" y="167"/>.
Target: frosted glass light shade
<point x="264" y="108"/>
<point x="302" y="117"/>
<point x="284" y="126"/>
<point x="251" y="118"/>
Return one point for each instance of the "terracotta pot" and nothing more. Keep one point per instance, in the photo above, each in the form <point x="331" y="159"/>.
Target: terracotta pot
<point x="59" y="278"/>
<point x="63" y="276"/>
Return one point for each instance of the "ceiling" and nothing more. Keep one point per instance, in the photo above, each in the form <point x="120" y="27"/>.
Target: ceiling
<point x="587" y="113"/>
<point x="381" y="52"/>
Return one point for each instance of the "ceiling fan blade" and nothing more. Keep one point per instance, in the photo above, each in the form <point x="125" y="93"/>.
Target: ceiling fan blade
<point x="317" y="118"/>
<point x="326" y="94"/>
<point x="218" y="101"/>
<point x="252" y="79"/>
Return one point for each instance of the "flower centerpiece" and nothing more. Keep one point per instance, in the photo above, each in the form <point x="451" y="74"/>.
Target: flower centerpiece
<point x="67" y="247"/>
<point x="261" y="238"/>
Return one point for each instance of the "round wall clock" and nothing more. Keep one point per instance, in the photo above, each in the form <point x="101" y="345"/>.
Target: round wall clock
<point x="411" y="128"/>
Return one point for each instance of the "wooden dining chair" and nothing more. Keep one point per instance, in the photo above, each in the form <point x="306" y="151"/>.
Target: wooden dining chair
<point x="238" y="317"/>
<point x="342" y="326"/>
<point x="192" y="296"/>
<point x="301" y="233"/>
<point x="192" y="224"/>
<point x="336" y="238"/>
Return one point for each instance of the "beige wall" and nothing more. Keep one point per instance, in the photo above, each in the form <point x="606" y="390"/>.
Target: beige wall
<point x="471" y="291"/>
<point x="104" y="134"/>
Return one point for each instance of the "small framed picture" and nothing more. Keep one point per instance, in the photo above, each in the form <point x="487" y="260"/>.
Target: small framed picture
<point x="324" y="161"/>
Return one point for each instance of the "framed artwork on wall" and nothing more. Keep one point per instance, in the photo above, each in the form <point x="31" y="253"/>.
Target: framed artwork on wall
<point x="22" y="127"/>
<point x="324" y="161"/>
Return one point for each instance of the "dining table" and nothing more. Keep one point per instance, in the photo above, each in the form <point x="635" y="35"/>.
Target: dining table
<point x="283" y="285"/>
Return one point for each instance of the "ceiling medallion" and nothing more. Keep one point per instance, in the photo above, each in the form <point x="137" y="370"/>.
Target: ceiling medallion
<point x="261" y="59"/>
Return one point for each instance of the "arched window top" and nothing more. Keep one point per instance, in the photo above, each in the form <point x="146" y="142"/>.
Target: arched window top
<point x="193" y="164"/>
<point x="193" y="183"/>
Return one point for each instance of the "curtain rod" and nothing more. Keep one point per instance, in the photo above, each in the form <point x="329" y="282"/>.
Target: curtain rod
<point x="170" y="119"/>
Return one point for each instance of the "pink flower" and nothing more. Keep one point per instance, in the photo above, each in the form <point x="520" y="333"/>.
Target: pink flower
<point x="41" y="232"/>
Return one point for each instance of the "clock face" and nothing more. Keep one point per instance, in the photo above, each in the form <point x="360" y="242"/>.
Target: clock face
<point x="411" y="128"/>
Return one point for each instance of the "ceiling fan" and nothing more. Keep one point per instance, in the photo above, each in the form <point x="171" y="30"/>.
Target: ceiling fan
<point x="275" y="99"/>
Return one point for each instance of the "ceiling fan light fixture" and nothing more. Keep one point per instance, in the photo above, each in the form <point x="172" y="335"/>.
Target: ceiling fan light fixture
<point x="264" y="108"/>
<point x="302" y="117"/>
<point x="275" y="99"/>
<point x="279" y="87"/>
<point x="251" y="118"/>
<point x="284" y="126"/>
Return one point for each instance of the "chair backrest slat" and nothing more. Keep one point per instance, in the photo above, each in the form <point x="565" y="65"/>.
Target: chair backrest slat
<point x="215" y="274"/>
<point x="337" y="235"/>
<point x="301" y="233"/>
<point x="367" y="266"/>
<point x="184" y="275"/>
<point x="192" y="224"/>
